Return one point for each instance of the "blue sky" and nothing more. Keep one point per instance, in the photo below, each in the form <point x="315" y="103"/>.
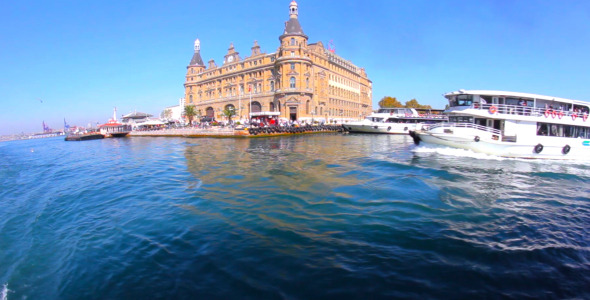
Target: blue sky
<point x="79" y="59"/>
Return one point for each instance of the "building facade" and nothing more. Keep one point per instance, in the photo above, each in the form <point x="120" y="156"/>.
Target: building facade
<point x="300" y="81"/>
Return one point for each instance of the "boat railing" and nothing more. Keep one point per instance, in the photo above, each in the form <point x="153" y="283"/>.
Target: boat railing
<point x="528" y="110"/>
<point x="465" y="125"/>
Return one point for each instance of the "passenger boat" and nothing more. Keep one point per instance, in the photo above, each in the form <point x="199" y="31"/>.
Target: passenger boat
<point x="113" y="128"/>
<point x="511" y="124"/>
<point x="395" y="121"/>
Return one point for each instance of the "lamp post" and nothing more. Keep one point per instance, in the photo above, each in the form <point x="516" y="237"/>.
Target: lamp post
<point x="240" y="102"/>
<point x="232" y="112"/>
<point x="250" y="115"/>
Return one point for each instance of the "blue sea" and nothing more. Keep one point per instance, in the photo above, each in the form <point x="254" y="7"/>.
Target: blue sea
<point x="322" y="216"/>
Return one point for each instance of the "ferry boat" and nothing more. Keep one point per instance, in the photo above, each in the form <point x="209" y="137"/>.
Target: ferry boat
<point x="395" y="121"/>
<point x="512" y="124"/>
<point x="113" y="128"/>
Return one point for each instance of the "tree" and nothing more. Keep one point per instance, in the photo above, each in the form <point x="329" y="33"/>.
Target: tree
<point x="229" y="112"/>
<point x="166" y="114"/>
<point x="414" y="104"/>
<point x="190" y="113"/>
<point x="389" y="102"/>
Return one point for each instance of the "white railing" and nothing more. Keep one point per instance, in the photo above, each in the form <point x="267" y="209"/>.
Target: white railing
<point x="526" y="110"/>
<point x="465" y="125"/>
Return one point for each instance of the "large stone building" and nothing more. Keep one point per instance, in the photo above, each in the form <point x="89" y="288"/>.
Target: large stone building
<point x="299" y="81"/>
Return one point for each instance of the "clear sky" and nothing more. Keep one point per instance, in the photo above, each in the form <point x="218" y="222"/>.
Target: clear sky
<point x="79" y="59"/>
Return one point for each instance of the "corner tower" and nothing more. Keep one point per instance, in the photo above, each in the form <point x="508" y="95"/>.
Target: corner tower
<point x="293" y="30"/>
<point x="197" y="61"/>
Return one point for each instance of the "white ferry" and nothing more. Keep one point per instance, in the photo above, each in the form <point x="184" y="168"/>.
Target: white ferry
<point x="395" y="121"/>
<point x="510" y="124"/>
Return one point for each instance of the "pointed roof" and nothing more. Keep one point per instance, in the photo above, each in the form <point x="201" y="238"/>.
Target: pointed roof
<point x="197" y="60"/>
<point x="292" y="27"/>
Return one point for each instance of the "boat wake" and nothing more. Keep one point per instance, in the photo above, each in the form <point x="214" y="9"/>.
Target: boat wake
<point x="455" y="152"/>
<point x="4" y="292"/>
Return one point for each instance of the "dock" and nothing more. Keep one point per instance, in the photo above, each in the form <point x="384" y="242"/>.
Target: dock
<point x="84" y="137"/>
<point x="228" y="132"/>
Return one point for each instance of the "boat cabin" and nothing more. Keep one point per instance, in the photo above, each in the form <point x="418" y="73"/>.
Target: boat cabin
<point x="506" y="114"/>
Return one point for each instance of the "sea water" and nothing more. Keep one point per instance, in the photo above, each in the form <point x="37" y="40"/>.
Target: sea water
<point x="295" y="217"/>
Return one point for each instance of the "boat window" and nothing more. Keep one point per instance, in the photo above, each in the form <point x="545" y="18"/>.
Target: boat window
<point x="560" y="130"/>
<point x="485" y="99"/>
<point x="464" y="100"/>
<point x="461" y="119"/>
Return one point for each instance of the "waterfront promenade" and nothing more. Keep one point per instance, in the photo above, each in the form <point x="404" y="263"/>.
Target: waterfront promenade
<point x="192" y="132"/>
<point x="215" y="131"/>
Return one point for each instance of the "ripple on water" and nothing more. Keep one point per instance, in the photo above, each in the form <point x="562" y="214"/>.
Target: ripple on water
<point x="325" y="216"/>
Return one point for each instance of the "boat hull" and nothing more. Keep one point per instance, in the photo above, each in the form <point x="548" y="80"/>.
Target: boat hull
<point x="554" y="148"/>
<point x="117" y="134"/>
<point x="382" y="128"/>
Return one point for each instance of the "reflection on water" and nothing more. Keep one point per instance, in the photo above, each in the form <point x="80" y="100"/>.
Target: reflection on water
<point x="299" y="217"/>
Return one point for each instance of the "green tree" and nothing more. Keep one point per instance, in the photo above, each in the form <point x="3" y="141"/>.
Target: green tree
<point x="190" y="113"/>
<point x="388" y="101"/>
<point x="229" y="112"/>
<point x="414" y="104"/>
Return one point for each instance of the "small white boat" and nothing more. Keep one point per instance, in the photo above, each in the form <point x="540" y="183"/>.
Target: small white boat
<point x="395" y="121"/>
<point x="511" y="124"/>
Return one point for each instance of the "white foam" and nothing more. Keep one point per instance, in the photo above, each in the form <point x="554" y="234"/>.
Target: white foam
<point x="454" y="152"/>
<point x="4" y="292"/>
<point x="458" y="152"/>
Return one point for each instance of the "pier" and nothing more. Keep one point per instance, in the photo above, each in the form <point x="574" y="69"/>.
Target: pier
<point x="226" y="132"/>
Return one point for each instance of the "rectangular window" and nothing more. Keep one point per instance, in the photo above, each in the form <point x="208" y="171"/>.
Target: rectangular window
<point x="464" y="100"/>
<point x="292" y="66"/>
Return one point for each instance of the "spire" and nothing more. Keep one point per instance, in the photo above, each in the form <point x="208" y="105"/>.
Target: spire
<point x="292" y="27"/>
<point x="293" y="10"/>
<point x="255" y="49"/>
<point x="197" y="45"/>
<point x="197" y="60"/>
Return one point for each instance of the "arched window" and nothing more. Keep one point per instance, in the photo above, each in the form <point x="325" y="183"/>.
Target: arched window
<point x="230" y="107"/>
<point x="256" y="107"/>
<point x="272" y="106"/>
<point x="292" y="82"/>
<point x="307" y="83"/>
<point x="272" y="86"/>
<point x="307" y="108"/>
<point x="210" y="112"/>
<point x="190" y="98"/>
<point x="292" y="41"/>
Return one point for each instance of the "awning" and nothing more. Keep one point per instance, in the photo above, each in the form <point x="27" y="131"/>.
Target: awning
<point x="264" y="113"/>
<point x="150" y="122"/>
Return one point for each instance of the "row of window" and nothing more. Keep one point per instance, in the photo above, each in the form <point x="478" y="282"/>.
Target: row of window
<point x="344" y="81"/>
<point x="255" y="89"/>
<point x="343" y="103"/>
<point x="340" y="92"/>
<point x="560" y="130"/>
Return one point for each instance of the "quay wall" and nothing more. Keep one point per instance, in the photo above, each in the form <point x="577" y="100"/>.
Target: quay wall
<point x="208" y="132"/>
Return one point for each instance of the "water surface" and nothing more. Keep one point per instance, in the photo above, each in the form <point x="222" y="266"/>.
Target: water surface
<point x="296" y="217"/>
